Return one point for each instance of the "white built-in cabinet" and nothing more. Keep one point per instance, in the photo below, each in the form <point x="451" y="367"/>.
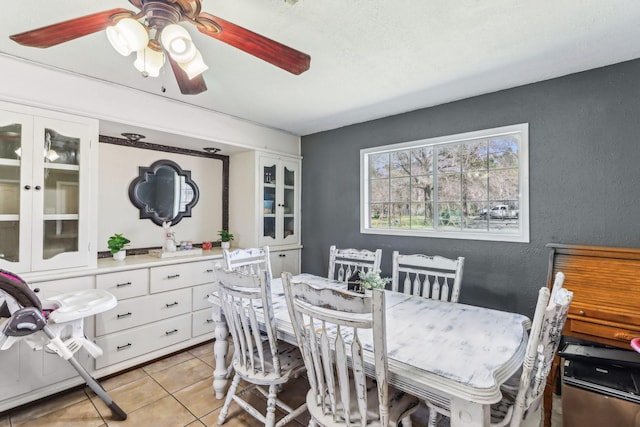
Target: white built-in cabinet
<point x="279" y="190"/>
<point x="162" y="308"/>
<point x="287" y="260"/>
<point x="26" y="372"/>
<point x="265" y="206"/>
<point x="47" y="188"/>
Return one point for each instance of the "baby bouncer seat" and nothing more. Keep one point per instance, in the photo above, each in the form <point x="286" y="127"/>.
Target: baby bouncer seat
<point x="56" y="323"/>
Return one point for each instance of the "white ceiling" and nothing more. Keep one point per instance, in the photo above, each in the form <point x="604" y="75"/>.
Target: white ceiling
<point x="369" y="58"/>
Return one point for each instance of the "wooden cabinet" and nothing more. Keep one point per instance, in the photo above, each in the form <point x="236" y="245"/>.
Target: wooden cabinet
<point x="606" y="296"/>
<point x="606" y="292"/>
<point x="48" y="189"/>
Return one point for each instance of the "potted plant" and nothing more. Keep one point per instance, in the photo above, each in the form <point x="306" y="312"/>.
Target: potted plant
<point x="116" y="244"/>
<point x="225" y="238"/>
<point x="372" y="280"/>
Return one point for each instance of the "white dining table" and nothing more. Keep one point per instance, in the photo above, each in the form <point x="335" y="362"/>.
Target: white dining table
<point x="452" y="354"/>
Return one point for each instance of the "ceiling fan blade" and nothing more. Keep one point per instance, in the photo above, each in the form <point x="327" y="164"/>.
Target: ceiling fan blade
<point x="65" y="31"/>
<point x="271" y="51"/>
<point x="187" y="86"/>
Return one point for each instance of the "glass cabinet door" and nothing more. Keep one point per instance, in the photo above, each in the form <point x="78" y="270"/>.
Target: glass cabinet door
<point x="270" y="201"/>
<point x="58" y="171"/>
<point x="15" y="202"/>
<point x="289" y="203"/>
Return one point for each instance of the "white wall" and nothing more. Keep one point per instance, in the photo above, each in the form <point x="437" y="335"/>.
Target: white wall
<point x="29" y="84"/>
<point x="118" y="166"/>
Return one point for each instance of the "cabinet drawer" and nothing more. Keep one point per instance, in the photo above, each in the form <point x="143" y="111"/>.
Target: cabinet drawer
<point x="614" y="334"/>
<point x="135" y="342"/>
<point x="125" y="284"/>
<point x="201" y="295"/>
<point x="204" y="271"/>
<point x="138" y="311"/>
<point x="57" y="287"/>
<point x="170" y="277"/>
<point x="202" y="322"/>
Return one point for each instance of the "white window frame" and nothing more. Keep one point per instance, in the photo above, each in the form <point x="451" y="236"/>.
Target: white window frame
<point x="522" y="235"/>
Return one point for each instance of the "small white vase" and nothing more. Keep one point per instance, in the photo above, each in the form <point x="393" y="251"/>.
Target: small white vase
<point x="120" y="256"/>
<point x="225" y="245"/>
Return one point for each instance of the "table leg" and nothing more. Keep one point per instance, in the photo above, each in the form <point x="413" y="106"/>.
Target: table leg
<point x="220" y="350"/>
<point x="469" y="414"/>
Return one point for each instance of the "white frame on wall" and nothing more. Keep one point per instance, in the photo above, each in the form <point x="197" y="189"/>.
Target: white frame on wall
<point x="519" y="235"/>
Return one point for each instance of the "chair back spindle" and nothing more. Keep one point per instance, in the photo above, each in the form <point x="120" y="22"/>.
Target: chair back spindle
<point x="250" y="260"/>
<point x="333" y="328"/>
<point x="432" y="277"/>
<point x="344" y="263"/>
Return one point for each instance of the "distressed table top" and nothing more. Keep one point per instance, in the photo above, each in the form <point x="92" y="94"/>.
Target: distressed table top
<point x="438" y="349"/>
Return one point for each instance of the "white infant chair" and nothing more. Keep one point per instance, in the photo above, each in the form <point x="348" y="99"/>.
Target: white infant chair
<point x="56" y="323"/>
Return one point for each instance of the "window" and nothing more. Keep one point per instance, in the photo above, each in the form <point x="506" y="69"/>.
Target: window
<point x="467" y="186"/>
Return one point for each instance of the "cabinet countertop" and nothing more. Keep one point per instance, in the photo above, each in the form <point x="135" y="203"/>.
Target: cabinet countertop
<point x="109" y="265"/>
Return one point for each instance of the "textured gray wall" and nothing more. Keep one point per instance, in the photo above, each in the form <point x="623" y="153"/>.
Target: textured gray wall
<point x="584" y="134"/>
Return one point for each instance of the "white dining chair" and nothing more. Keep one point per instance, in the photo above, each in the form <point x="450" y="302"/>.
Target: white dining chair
<point x="249" y="260"/>
<point x="330" y="326"/>
<point x="522" y="395"/>
<point x="345" y="263"/>
<point x="432" y="277"/>
<point x="258" y="358"/>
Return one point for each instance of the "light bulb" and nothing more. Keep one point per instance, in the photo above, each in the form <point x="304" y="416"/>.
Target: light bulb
<point x="127" y="36"/>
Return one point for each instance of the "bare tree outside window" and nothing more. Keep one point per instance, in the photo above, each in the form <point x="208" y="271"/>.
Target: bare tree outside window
<point x="463" y="185"/>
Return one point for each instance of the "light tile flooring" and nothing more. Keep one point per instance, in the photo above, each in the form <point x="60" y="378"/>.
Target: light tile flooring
<point x="176" y="391"/>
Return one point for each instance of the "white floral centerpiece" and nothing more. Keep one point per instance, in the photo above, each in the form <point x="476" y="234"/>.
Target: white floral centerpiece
<point x="372" y="280"/>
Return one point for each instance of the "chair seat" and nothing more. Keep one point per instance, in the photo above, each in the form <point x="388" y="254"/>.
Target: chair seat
<point x="291" y="363"/>
<point x="400" y="406"/>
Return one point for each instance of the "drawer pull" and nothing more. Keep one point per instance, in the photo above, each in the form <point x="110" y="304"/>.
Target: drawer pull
<point x="120" y="285"/>
<point x="172" y="304"/>
<point x="581" y="313"/>
<point x="171" y="332"/>
<point x="209" y="320"/>
<point x="173" y="276"/>
<point x="209" y="270"/>
<point x="122" y="347"/>
<point x="282" y="255"/>
<point x="122" y="316"/>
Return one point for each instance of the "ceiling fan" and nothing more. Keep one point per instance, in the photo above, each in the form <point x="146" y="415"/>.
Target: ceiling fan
<point x="154" y="34"/>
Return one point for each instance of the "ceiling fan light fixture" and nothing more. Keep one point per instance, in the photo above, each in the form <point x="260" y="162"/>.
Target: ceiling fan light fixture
<point x="149" y="61"/>
<point x="127" y="36"/>
<point x="177" y="41"/>
<point x="195" y="67"/>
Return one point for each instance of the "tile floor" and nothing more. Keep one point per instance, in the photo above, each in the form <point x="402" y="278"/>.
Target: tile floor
<point x="175" y="391"/>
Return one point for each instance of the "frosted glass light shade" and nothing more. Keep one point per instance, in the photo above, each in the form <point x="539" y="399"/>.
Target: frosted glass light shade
<point x="195" y="67"/>
<point x="177" y="41"/>
<point x="127" y="36"/>
<point x="149" y="61"/>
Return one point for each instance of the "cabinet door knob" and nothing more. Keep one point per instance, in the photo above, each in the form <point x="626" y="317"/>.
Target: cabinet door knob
<point x="581" y="313"/>
<point x="282" y="255"/>
<point x="37" y="187"/>
<point x="27" y="187"/>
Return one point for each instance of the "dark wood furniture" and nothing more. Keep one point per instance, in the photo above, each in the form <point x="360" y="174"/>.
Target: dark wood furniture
<point x="606" y="302"/>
